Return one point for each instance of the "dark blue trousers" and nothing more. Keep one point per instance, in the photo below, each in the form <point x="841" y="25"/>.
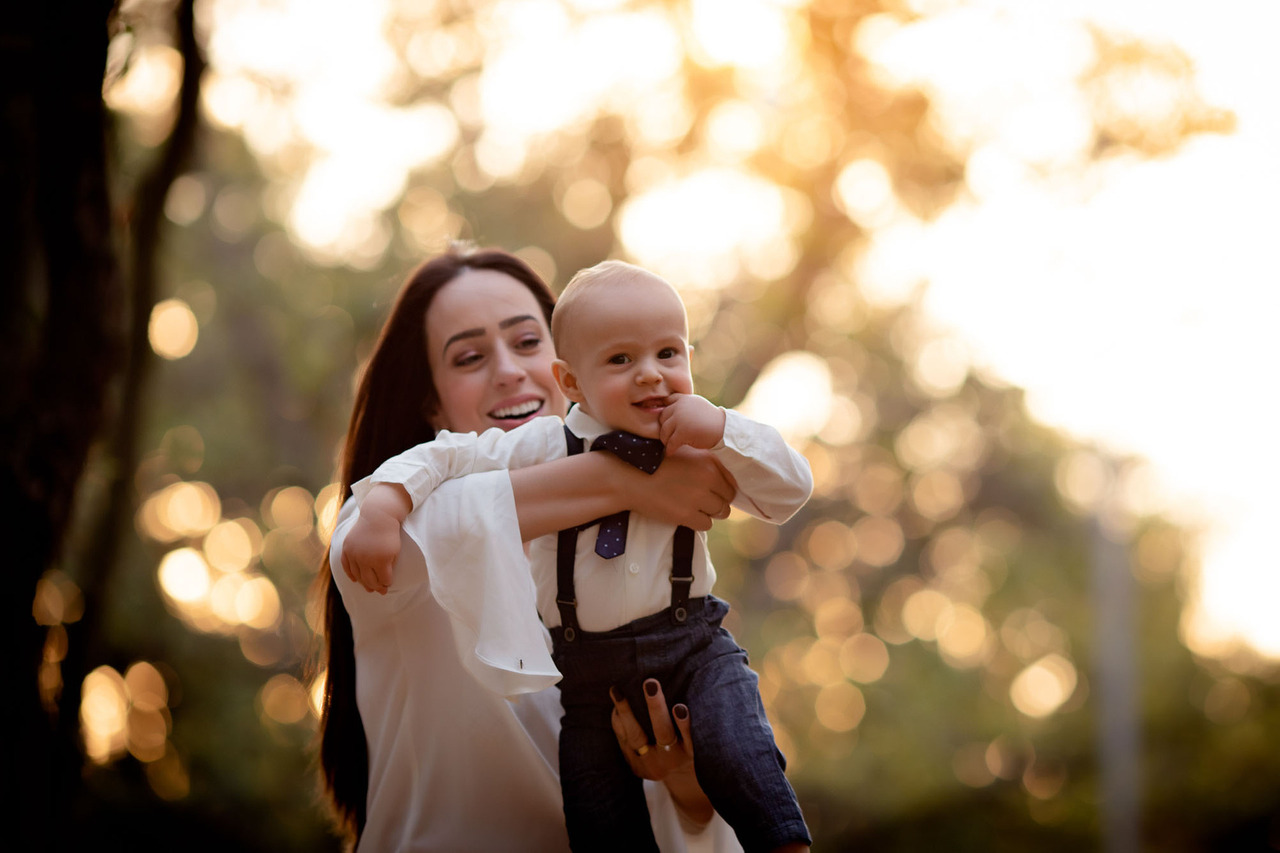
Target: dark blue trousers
<point x="698" y="663"/>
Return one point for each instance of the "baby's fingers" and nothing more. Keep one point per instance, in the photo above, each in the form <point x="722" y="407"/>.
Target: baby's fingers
<point x="671" y="434"/>
<point x="368" y="578"/>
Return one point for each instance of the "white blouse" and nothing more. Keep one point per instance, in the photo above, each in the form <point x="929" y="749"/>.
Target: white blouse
<point x="454" y="764"/>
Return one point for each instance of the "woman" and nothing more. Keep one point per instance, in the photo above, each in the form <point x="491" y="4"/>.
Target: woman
<point x="418" y="751"/>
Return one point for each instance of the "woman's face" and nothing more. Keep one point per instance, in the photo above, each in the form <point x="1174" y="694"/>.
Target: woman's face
<point x="490" y="354"/>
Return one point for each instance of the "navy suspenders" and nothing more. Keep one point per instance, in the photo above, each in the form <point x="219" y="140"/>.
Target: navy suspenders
<point x="567" y="549"/>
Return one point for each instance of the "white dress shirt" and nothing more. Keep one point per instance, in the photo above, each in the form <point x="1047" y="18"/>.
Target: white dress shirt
<point x="774" y="481"/>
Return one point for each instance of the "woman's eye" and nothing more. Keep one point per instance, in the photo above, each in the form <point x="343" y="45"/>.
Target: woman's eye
<point x="466" y="360"/>
<point x="531" y="342"/>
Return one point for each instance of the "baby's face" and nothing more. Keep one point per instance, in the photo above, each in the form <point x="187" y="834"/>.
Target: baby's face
<point x="629" y="352"/>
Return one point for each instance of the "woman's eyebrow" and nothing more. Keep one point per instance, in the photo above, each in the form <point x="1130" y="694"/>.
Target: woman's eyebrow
<point x="511" y="321"/>
<point x="475" y="333"/>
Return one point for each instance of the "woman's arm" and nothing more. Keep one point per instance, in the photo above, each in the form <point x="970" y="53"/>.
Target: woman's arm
<point x="689" y="488"/>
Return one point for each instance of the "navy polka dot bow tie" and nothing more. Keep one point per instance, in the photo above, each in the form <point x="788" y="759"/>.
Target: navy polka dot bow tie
<point x="642" y="453"/>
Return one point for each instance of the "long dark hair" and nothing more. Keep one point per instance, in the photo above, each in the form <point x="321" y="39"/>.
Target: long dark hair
<point x="391" y="413"/>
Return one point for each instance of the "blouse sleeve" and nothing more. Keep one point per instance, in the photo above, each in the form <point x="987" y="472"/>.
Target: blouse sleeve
<point x="774" y="480"/>
<point x="469" y="537"/>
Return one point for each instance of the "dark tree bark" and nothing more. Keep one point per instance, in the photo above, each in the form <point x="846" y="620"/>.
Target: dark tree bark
<point x="60" y="347"/>
<point x="74" y="339"/>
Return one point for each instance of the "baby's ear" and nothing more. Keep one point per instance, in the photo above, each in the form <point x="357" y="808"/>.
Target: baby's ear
<point x="567" y="380"/>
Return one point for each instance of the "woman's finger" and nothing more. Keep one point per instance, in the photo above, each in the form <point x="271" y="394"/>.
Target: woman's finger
<point x="626" y="728"/>
<point x="664" y="735"/>
<point x="730" y="483"/>
<point x="681" y="713"/>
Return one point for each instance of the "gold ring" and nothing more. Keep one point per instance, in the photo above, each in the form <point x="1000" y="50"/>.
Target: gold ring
<point x="642" y="750"/>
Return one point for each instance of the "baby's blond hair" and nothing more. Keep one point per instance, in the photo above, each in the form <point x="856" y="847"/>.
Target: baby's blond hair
<point x="583" y="284"/>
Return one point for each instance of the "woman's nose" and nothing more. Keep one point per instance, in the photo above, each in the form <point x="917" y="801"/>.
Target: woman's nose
<point x="506" y="367"/>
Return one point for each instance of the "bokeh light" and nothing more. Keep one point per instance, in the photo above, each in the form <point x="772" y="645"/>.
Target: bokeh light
<point x="104" y="712"/>
<point x="792" y="394"/>
<point x="179" y="510"/>
<point x="228" y="546"/>
<point x="284" y="700"/>
<point x="184" y="576"/>
<point x="173" y="330"/>
<point x="702" y="230"/>
<point x="1044" y="686"/>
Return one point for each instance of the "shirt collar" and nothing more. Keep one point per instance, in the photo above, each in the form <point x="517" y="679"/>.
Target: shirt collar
<point x="583" y="425"/>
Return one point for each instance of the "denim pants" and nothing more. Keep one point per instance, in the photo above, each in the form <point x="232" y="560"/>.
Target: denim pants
<point x="698" y="663"/>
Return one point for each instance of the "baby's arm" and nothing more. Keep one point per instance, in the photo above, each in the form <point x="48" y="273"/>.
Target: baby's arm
<point x="403" y="482"/>
<point x="773" y="480"/>
<point x="372" y="545"/>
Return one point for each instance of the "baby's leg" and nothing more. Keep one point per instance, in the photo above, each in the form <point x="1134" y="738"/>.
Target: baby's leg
<point x="737" y="761"/>
<point x="604" y="803"/>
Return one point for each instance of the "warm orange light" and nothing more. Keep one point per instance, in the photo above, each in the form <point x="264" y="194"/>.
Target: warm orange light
<point x="292" y="506"/>
<point x="786" y="576"/>
<point x="184" y="576"/>
<point x="284" y="700"/>
<point x="864" y="658"/>
<point x="173" y="329"/>
<point x="104" y="709"/>
<point x="840" y="706"/>
<point x="1041" y="688"/>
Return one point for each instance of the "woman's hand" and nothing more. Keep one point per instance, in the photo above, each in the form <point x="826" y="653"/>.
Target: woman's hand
<point x="690" y="488"/>
<point x="669" y="759"/>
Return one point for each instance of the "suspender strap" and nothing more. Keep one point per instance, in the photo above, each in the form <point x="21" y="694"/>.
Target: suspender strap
<point x="566" y="551"/>
<point x="681" y="573"/>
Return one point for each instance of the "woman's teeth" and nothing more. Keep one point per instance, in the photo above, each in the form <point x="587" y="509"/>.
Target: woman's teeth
<point x="521" y="411"/>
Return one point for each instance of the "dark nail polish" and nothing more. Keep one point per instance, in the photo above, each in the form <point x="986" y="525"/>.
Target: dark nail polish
<point x="681" y="712"/>
<point x="651" y="688"/>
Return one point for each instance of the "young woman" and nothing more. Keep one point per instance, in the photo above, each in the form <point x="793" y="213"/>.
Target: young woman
<point x="420" y="748"/>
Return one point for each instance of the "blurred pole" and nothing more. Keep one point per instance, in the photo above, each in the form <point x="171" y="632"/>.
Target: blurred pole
<point x="1117" y="683"/>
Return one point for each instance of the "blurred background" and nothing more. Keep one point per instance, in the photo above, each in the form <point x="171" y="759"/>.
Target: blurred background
<point x="996" y="267"/>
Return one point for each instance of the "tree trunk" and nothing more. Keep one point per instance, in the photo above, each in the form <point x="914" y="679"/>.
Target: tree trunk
<point x="61" y="342"/>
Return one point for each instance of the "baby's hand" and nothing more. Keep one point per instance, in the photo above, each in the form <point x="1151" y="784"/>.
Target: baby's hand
<point x="691" y="420"/>
<point x="372" y="545"/>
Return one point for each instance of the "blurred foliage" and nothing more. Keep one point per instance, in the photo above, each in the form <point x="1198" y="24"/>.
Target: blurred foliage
<point x="940" y="505"/>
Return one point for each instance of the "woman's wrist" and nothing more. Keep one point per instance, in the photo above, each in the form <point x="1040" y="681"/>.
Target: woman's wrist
<point x="692" y="805"/>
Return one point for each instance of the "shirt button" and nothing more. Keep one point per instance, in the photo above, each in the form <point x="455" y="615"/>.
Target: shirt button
<point x="633" y="568"/>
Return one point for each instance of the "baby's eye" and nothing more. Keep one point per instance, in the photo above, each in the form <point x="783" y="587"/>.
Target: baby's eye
<point x="668" y="352"/>
<point x="619" y="358"/>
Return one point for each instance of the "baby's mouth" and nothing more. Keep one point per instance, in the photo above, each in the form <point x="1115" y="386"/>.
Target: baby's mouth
<point x="516" y="412"/>
<point x="651" y="403"/>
